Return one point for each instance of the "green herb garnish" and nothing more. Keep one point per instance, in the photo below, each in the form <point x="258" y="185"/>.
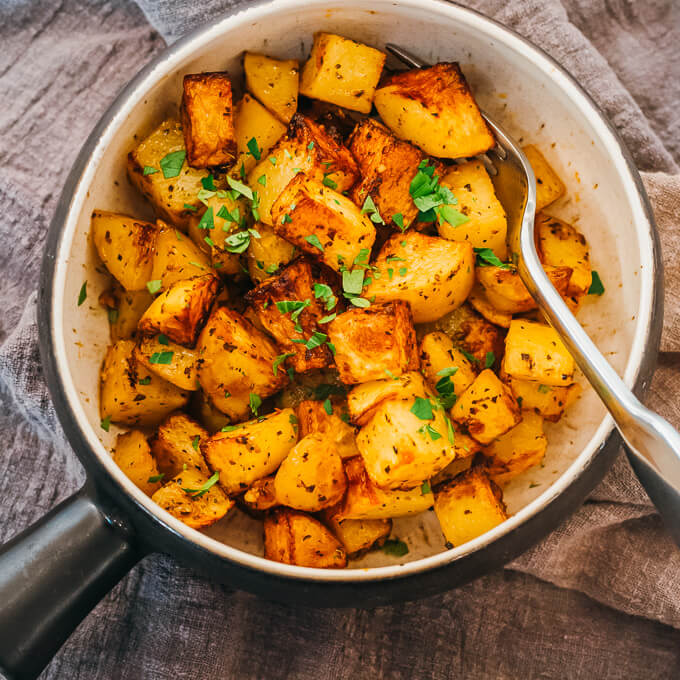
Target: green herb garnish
<point x="171" y="165"/>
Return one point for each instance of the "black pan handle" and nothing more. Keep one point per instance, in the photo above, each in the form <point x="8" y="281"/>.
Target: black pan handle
<point x="53" y="574"/>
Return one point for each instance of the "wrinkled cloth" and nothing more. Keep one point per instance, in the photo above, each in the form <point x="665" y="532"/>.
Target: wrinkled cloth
<point x="599" y="597"/>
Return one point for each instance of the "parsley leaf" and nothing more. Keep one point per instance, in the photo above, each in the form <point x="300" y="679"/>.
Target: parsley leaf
<point x="448" y="372"/>
<point x="171" y="165"/>
<point x="328" y="318"/>
<point x="328" y="407"/>
<point x="370" y="209"/>
<point x="486" y="257"/>
<point x="490" y="360"/>
<point x="425" y="488"/>
<point x="327" y="181"/>
<point x="313" y="240"/>
<point x="255" y="401"/>
<point x="279" y="360"/>
<point x="544" y="389"/>
<point x="316" y="340"/>
<point x="161" y="358"/>
<point x="208" y="220"/>
<point x="237" y="242"/>
<point x="204" y="488"/>
<point x="82" y="296"/>
<point x="240" y="188"/>
<point x="353" y="281"/>
<point x="148" y="170"/>
<point x="105" y="423"/>
<point x="254" y="149"/>
<point x="422" y="408"/>
<point x="163" y="339"/>
<point x="395" y="547"/>
<point x="596" y="285"/>
<point x="360" y="302"/>
<point x="469" y="357"/>
<point x="452" y="216"/>
<point x="153" y="286"/>
<point x="208" y="183"/>
<point x="156" y="478"/>
<point x="195" y="442"/>
<point x="398" y="219"/>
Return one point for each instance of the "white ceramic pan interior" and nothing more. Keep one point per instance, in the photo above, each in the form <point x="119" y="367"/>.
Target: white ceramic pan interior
<point x="514" y="83"/>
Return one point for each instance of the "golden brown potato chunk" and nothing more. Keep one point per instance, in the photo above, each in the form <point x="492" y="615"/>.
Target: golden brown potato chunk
<point x="126" y="247"/>
<point x="274" y="82"/>
<point x="407" y="439"/>
<point x="388" y="165"/>
<point x="133" y="456"/>
<point x="261" y="495"/>
<point x="311" y="477"/>
<point x="561" y="245"/>
<point x="545" y="400"/>
<point x="267" y="254"/>
<point x="468" y="507"/>
<point x="176" y="446"/>
<point x="181" y="310"/>
<point x="130" y="394"/>
<point x="235" y="363"/>
<point x="207" y="120"/>
<point x="487" y="225"/>
<point x="364" y="500"/>
<point x="342" y="72"/>
<point x="374" y="342"/>
<point x="326" y="419"/>
<point x="479" y="301"/>
<point x="322" y="222"/>
<point x="506" y="292"/>
<point x="250" y="451"/>
<point x="172" y="362"/>
<point x="357" y="535"/>
<point x="176" y="258"/>
<point x="549" y="187"/>
<point x="487" y="408"/>
<point x="253" y="121"/>
<point x="126" y="308"/>
<point x="534" y="351"/>
<point x="288" y="309"/>
<point x="434" y="109"/>
<point x="158" y="169"/>
<point x="294" y="537"/>
<point x="433" y="274"/>
<point x="306" y="148"/>
<point x="441" y="359"/>
<point x="208" y="415"/>
<point x="517" y="450"/>
<point x="194" y="498"/>
<point x="466" y="448"/>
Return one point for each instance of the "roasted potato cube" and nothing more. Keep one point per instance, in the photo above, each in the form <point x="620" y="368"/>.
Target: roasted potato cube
<point x="363" y="399"/>
<point x="407" y="438"/>
<point x="274" y="82"/>
<point x="442" y="360"/>
<point x="466" y="448"/>
<point x="311" y="477"/>
<point x="534" y="351"/>
<point x="433" y="274"/>
<point x="357" y="535"/>
<point x="306" y="148"/>
<point x="487" y="224"/>
<point x="561" y="245"/>
<point x="184" y="497"/>
<point x="157" y="168"/>
<point x="207" y="120"/>
<point x="434" y="109"/>
<point x="313" y="417"/>
<point x="288" y="309"/>
<point x="176" y="446"/>
<point x="468" y="507"/>
<point x="549" y="186"/>
<point x="545" y="400"/>
<point x="364" y="500"/>
<point x="296" y="538"/>
<point x="130" y="394"/>
<point x="373" y="342"/>
<point x="479" y="301"/>
<point x="133" y="456"/>
<point x="261" y="495"/>
<point x="342" y="72"/>
<point x="182" y="309"/>
<point x="177" y="258"/>
<point x="168" y="360"/>
<point x="126" y="247"/>
<point x="245" y="453"/>
<point x="388" y="166"/>
<point x="206" y="413"/>
<point x="517" y="450"/>
<point x="128" y="307"/>
<point x="322" y="222"/>
<point x="267" y="254"/>
<point x="487" y="408"/>
<point x="235" y="363"/>
<point x="253" y="121"/>
<point x="506" y="292"/>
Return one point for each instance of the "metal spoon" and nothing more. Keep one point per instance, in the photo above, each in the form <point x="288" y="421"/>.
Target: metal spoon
<point x="653" y="444"/>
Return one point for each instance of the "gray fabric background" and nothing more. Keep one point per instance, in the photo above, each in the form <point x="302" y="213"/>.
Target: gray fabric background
<point x="598" y="598"/>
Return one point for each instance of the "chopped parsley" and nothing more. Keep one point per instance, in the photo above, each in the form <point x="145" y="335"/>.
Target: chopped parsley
<point x="156" y="478"/>
<point x="148" y="170"/>
<point x="398" y="219"/>
<point x="254" y="149"/>
<point x="321" y="290"/>
<point x="490" y="360"/>
<point x="190" y="208"/>
<point x="255" y="401"/>
<point x="208" y="220"/>
<point x="353" y="281"/>
<point x="360" y="302"/>
<point x="422" y="408"/>
<point x="105" y="423"/>
<point x="328" y="182"/>
<point x="195" y="442"/>
<point x="279" y="360"/>
<point x="262" y="179"/>
<point x="240" y="188"/>
<point x="82" y="295"/>
<point x="237" y="242"/>
<point x="154" y="286"/>
<point x="432" y="199"/>
<point x="144" y="381"/>
<point x="113" y="315"/>
<point x="395" y="547"/>
<point x="370" y="209"/>
<point x="313" y="240"/>
<point x="328" y="407"/>
<point x="425" y="488"/>
<point x="161" y="358"/>
<point x="208" y="183"/>
<point x="487" y="258"/>
<point x="544" y="389"/>
<point x="163" y="339"/>
<point x="204" y="488"/>
<point x="328" y="318"/>
<point x="171" y="165"/>
<point x="596" y="285"/>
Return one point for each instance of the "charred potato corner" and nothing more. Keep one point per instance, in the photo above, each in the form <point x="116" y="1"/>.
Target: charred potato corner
<point x="323" y="327"/>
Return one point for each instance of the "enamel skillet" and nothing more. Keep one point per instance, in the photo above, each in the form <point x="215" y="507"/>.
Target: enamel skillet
<point x="52" y="574"/>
